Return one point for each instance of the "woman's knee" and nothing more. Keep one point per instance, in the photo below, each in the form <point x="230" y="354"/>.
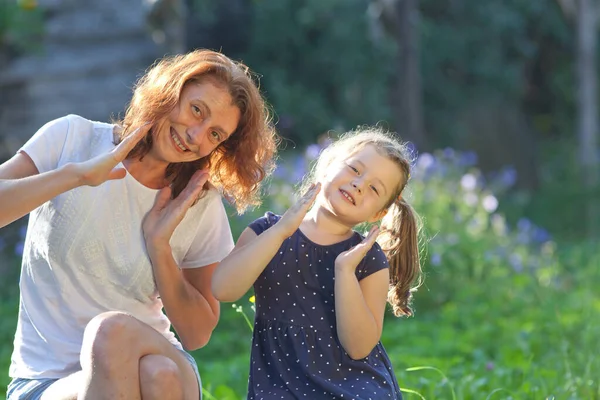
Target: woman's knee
<point x="160" y="378"/>
<point x="106" y="337"/>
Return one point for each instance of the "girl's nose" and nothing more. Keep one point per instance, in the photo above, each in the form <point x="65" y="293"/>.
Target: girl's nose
<point x="357" y="185"/>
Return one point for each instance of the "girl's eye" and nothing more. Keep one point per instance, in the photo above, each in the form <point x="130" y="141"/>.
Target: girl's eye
<point x="197" y="110"/>
<point x="375" y="189"/>
<point x="216" y="136"/>
<point x="352" y="168"/>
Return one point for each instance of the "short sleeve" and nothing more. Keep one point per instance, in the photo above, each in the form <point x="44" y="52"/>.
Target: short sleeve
<point x="46" y="146"/>
<point x="265" y="222"/>
<point x="213" y="240"/>
<point x="374" y="261"/>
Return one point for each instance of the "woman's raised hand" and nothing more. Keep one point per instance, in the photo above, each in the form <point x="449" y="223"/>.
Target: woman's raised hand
<point x="101" y="168"/>
<point x="291" y="220"/>
<point x="160" y="222"/>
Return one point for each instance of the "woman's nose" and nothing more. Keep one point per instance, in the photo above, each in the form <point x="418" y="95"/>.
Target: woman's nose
<point x="197" y="134"/>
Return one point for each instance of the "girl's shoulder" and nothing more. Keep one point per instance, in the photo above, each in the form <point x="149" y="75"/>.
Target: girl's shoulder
<point x="263" y="223"/>
<point x="374" y="261"/>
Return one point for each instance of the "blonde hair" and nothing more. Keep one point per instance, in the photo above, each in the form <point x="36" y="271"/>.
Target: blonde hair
<point x="239" y="164"/>
<point x="401" y="226"/>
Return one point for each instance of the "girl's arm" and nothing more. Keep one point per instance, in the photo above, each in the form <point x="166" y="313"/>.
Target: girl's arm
<point x="359" y="306"/>
<point x="23" y="188"/>
<point x="240" y="269"/>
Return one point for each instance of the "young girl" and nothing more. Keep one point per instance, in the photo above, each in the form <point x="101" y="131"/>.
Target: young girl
<point x="321" y="287"/>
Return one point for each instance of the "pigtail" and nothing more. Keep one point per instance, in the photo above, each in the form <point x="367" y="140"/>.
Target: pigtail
<point x="399" y="239"/>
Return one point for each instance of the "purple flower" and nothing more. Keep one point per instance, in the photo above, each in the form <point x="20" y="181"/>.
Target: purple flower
<point x="490" y="203"/>
<point x="425" y="161"/>
<point x="468" y="182"/>
<point x="468" y="159"/>
<point x="516" y="261"/>
<point x="312" y="151"/>
<point x="524" y="224"/>
<point x="299" y="169"/>
<point x="508" y="176"/>
<point x="540" y="235"/>
<point x="19" y="249"/>
<point x="448" y="152"/>
<point x="285" y="122"/>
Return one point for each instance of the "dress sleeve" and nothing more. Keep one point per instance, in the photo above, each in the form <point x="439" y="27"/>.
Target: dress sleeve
<point x="265" y="222"/>
<point x="213" y="240"/>
<point x="46" y="146"/>
<point x="374" y="261"/>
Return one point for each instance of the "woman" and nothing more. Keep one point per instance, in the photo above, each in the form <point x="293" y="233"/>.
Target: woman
<point x="127" y="220"/>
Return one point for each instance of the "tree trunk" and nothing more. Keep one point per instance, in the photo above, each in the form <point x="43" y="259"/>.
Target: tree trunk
<point x="409" y="112"/>
<point x="587" y="107"/>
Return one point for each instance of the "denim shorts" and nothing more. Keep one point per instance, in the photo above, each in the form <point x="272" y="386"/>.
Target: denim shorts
<point x="32" y="389"/>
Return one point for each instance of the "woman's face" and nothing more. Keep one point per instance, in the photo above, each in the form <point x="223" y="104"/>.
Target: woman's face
<point x="204" y="118"/>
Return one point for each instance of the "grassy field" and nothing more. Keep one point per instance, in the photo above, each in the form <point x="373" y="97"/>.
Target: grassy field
<point x="509" y="339"/>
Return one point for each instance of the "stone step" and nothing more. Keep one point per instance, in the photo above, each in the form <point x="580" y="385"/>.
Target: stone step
<point x="70" y="62"/>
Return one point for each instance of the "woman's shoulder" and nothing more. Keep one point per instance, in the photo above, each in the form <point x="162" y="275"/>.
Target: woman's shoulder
<point x="80" y="126"/>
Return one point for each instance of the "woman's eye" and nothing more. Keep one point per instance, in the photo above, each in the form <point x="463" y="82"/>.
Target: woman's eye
<point x="216" y="136"/>
<point x="197" y="110"/>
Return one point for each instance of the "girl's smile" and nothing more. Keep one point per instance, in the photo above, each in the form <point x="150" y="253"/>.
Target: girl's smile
<point x="364" y="181"/>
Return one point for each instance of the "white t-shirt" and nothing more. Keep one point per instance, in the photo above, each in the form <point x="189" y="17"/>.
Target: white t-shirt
<point x="84" y="253"/>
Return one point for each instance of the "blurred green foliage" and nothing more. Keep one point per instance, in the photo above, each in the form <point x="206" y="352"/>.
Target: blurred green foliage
<point x="21" y="26"/>
<point x="498" y="78"/>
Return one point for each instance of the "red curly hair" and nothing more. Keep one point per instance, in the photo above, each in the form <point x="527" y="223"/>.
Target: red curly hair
<point x="239" y="164"/>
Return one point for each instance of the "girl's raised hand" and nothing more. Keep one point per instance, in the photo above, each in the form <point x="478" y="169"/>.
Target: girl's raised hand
<point x="290" y="221"/>
<point x="101" y="168"/>
<point x="351" y="258"/>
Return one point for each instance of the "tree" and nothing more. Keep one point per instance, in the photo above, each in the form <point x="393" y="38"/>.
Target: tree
<point x="400" y="19"/>
<point x="584" y="14"/>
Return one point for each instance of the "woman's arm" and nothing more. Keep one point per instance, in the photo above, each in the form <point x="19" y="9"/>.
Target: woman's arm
<point x="23" y="188"/>
<point x="186" y="297"/>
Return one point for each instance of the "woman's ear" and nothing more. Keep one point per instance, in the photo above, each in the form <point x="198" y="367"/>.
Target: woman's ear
<point x="378" y="216"/>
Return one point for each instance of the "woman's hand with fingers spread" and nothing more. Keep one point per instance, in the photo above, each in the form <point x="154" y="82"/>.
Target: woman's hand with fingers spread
<point x="166" y="214"/>
<point x="291" y="220"/>
<point x="351" y="258"/>
<point x="102" y="168"/>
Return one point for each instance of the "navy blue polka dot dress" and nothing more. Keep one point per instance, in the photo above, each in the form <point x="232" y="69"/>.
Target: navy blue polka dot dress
<point x="295" y="350"/>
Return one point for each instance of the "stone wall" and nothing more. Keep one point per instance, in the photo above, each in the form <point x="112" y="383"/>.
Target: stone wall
<point x="91" y="55"/>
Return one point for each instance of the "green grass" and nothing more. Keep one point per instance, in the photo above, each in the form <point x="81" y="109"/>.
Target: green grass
<point x="500" y="339"/>
<point x="515" y="337"/>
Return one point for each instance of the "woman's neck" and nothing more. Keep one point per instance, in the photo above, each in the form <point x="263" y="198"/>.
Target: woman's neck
<point x="148" y="172"/>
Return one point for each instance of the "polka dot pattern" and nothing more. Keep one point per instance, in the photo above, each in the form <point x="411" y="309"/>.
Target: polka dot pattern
<point x="295" y="350"/>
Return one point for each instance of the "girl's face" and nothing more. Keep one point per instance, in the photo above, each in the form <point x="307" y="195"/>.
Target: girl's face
<point x="204" y="118"/>
<point x="356" y="189"/>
